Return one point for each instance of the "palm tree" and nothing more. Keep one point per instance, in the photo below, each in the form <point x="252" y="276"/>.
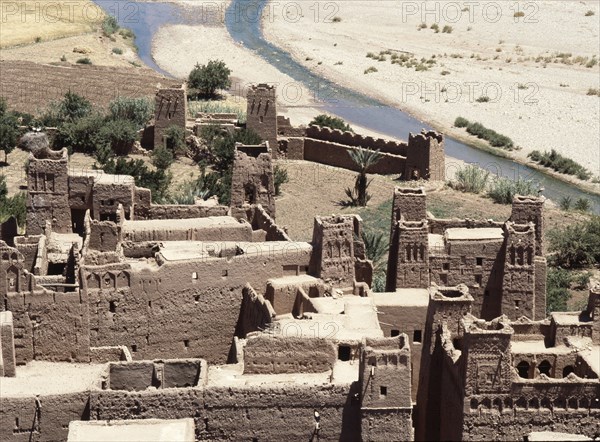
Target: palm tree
<point x="376" y="249"/>
<point x="364" y="159"/>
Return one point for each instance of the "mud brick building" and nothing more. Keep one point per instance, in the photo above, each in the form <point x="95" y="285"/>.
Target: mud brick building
<point x="123" y="317"/>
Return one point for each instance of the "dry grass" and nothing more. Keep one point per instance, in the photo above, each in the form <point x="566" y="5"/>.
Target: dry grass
<point x="26" y="21"/>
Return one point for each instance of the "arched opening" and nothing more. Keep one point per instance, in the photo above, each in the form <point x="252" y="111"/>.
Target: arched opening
<point x="544" y="367"/>
<point x="568" y="370"/>
<point x="523" y="369"/>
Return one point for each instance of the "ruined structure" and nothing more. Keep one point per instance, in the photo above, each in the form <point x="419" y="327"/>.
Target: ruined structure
<point x="170" y="109"/>
<point x="421" y="157"/>
<point x="119" y="316"/>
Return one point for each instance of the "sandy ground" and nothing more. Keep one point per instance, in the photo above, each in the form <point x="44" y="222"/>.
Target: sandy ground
<point x="95" y="46"/>
<point x="27" y="20"/>
<point x="540" y="105"/>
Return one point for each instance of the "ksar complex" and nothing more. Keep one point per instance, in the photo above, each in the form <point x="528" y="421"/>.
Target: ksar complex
<point x="208" y="322"/>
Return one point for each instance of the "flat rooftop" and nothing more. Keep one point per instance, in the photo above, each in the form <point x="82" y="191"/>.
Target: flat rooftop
<point x="478" y="234"/>
<point x="567" y="318"/>
<point x="232" y="375"/>
<point x="101" y="177"/>
<point x="346" y="319"/>
<point x="189" y="250"/>
<point x="142" y="430"/>
<point x="403" y="298"/>
<point x="180" y="224"/>
<point x="48" y="378"/>
<point x="538" y="347"/>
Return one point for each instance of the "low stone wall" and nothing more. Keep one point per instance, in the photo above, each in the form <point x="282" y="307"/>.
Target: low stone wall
<point x="169" y="211"/>
<point x="337" y="155"/>
<point x="274" y="354"/>
<point x="353" y="139"/>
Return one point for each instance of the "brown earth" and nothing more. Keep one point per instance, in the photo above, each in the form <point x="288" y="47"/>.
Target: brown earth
<point x="29" y="87"/>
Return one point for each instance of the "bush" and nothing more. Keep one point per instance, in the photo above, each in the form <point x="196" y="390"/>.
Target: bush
<point x="110" y="25"/>
<point x="519" y="14"/>
<point x="162" y="158"/>
<point x="84" y="60"/>
<point x="576" y="245"/>
<point x="331" y="122"/>
<point x="336" y="19"/>
<point x="81" y="135"/>
<point x="280" y="176"/>
<point x="175" y="139"/>
<point x="493" y="137"/>
<point x="483" y="99"/>
<point x="137" y="110"/>
<point x="210" y="77"/>
<point x="73" y="107"/>
<point x="435" y="27"/>
<point x="117" y="51"/>
<point x="582" y="205"/>
<point x="565" y="203"/>
<point x="558" y="284"/>
<point x="504" y="190"/>
<point x="560" y="164"/>
<point x="119" y="135"/>
<point x="593" y="91"/>
<point x="9" y="129"/>
<point x="461" y="122"/>
<point x="471" y="179"/>
<point x="447" y="30"/>
<point x="590" y="13"/>
<point x="370" y="70"/>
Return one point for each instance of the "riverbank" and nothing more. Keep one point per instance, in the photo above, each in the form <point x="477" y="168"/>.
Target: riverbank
<point x="539" y="104"/>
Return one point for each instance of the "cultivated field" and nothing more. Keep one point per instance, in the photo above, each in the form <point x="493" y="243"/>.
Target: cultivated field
<point x="29" y="87"/>
<point x="26" y="21"/>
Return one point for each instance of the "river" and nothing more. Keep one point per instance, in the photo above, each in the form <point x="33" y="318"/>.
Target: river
<point x="145" y="18"/>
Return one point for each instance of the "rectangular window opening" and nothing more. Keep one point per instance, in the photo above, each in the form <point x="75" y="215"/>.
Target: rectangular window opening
<point x="417" y="336"/>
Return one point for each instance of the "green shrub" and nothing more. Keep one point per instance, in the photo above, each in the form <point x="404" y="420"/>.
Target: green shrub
<point x="582" y="205"/>
<point x="12" y="206"/>
<point x="558" y="283"/>
<point x="9" y="129"/>
<point x="593" y="91"/>
<point x="493" y="137"/>
<point x="84" y="60"/>
<point x="576" y="245"/>
<point x="117" y="51"/>
<point x="560" y="164"/>
<point x="110" y="25"/>
<point x="566" y="202"/>
<point x="280" y="176"/>
<point x="63" y="58"/>
<point x="435" y="27"/>
<point x="461" y="122"/>
<point x="81" y="135"/>
<point x="423" y="26"/>
<point x="175" y="140"/>
<point x="504" y="190"/>
<point x="336" y="19"/>
<point x="331" y="122"/>
<point x="215" y="106"/>
<point x="210" y="77"/>
<point x="73" y="107"/>
<point x="38" y="39"/>
<point x="447" y="30"/>
<point x="471" y="178"/>
<point x="137" y="110"/>
<point x="119" y="135"/>
<point x="370" y="70"/>
<point x="519" y="14"/>
<point x="162" y="158"/>
<point x="483" y="99"/>
<point x="590" y="13"/>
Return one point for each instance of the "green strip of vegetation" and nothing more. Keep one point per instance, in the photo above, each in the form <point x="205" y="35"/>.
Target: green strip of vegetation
<point x="560" y="164"/>
<point x="482" y="132"/>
